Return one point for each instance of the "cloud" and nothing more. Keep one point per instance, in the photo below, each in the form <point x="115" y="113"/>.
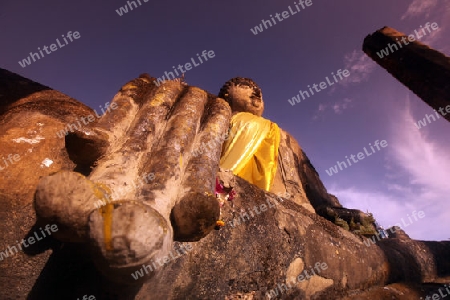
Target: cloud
<point x="389" y="210"/>
<point x="432" y="11"/>
<point x="417" y="170"/>
<point x="386" y="208"/>
<point x="360" y="67"/>
<point x="338" y="107"/>
<point x="419" y="8"/>
<point x="427" y="161"/>
<point x="322" y="107"/>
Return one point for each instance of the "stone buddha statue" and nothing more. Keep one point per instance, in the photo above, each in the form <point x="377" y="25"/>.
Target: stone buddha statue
<point x="265" y="155"/>
<point x="252" y="152"/>
<point x="270" y="158"/>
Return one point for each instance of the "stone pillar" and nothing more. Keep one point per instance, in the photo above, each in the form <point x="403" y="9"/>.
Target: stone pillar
<point x="422" y="69"/>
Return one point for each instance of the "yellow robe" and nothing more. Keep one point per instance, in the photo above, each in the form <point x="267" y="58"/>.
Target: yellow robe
<point x="251" y="151"/>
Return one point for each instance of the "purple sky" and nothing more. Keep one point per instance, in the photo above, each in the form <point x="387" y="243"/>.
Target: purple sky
<point x="411" y="173"/>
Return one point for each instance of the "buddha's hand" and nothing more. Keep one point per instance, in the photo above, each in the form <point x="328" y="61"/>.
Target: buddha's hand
<point x="173" y="132"/>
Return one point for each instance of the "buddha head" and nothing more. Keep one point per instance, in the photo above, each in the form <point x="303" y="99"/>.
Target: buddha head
<point x="243" y="95"/>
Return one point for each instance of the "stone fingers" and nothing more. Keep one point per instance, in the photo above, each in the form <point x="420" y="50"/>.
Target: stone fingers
<point x="127" y="232"/>
<point x="197" y="210"/>
<point x="123" y="167"/>
<point x="207" y="148"/>
<point x="92" y="141"/>
<point x="67" y="198"/>
<point x="168" y="159"/>
<point x="119" y="116"/>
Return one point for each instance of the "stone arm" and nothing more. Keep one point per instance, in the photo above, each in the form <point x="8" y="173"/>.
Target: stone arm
<point x="298" y="177"/>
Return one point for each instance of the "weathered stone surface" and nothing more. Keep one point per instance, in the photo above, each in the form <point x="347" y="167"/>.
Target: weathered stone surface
<point x="31" y="115"/>
<point x="242" y="258"/>
<point x="275" y="243"/>
<point x="422" y="69"/>
<point x="395" y="291"/>
<point x="287" y="177"/>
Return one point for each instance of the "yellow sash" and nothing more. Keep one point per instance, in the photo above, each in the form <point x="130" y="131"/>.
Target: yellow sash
<point x="251" y="151"/>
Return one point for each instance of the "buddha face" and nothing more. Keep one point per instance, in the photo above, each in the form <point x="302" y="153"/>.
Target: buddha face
<point x="243" y="95"/>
